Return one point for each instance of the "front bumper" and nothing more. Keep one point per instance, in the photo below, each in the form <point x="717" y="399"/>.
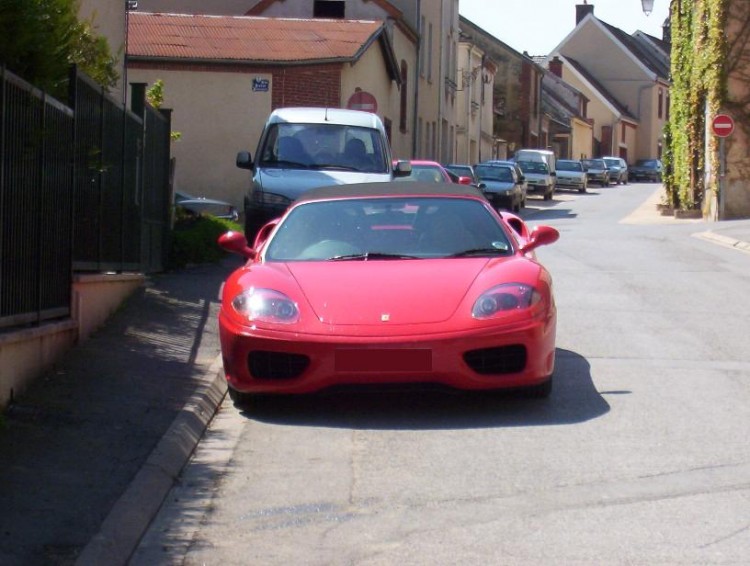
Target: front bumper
<point x="257" y="361"/>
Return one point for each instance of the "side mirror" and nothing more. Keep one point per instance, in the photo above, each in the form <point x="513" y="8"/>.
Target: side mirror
<point x="540" y="236"/>
<point x="402" y="168"/>
<point x="244" y="160"/>
<point x="236" y="243"/>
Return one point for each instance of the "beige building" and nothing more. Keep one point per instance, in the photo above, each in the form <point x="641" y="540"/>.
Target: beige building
<point x="228" y="73"/>
<point x="476" y="75"/>
<point x="517" y="118"/>
<point x="626" y="80"/>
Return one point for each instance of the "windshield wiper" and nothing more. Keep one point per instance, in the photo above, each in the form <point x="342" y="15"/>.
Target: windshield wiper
<point x="370" y="255"/>
<point x="480" y="252"/>
<point x="285" y="164"/>
<point x="333" y="166"/>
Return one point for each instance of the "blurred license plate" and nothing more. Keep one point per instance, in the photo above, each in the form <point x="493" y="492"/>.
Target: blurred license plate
<point x="384" y="360"/>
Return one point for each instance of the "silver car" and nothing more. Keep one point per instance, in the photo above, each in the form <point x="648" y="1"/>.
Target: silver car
<point x="571" y="175"/>
<point x="596" y="171"/>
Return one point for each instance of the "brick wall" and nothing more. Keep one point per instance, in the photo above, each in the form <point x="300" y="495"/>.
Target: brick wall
<point x="308" y="85"/>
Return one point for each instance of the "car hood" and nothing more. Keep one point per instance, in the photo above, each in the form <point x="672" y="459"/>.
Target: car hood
<point x="291" y="183"/>
<point x="402" y="291"/>
<point x="570" y="174"/>
<point x="536" y="176"/>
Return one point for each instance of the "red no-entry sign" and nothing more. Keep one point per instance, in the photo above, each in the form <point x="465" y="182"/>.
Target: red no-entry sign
<point x="723" y="125"/>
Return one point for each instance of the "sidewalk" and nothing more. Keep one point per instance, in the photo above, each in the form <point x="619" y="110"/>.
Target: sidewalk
<point x="92" y="449"/>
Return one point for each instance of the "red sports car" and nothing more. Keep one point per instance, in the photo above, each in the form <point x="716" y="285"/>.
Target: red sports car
<point x="389" y="283"/>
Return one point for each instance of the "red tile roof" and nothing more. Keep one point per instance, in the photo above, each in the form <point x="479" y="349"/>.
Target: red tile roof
<point x="244" y="38"/>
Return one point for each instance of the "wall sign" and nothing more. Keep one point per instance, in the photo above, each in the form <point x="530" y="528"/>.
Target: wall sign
<point x="260" y="85"/>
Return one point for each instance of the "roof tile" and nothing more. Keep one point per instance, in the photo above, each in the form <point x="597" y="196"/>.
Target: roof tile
<point x="233" y="38"/>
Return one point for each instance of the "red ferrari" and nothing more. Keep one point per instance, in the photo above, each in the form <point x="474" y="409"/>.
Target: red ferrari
<point x="389" y="283"/>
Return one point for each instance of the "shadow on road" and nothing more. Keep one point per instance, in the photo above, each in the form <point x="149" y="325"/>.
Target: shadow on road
<point x="574" y="399"/>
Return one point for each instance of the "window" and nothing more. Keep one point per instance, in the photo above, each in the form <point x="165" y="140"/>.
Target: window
<point x="623" y="128"/>
<point x="404" y="88"/>
<point x="333" y="9"/>
<point x="429" y="54"/>
<point x="661" y="104"/>
<point x="422" y="47"/>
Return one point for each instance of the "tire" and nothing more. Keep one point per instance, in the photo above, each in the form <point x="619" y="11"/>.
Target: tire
<point x="253" y="223"/>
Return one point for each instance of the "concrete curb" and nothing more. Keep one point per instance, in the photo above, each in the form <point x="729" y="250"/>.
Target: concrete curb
<point x="723" y="241"/>
<point x="133" y="512"/>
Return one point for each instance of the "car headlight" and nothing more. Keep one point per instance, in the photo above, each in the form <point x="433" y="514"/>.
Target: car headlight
<point x="266" y="305"/>
<point x="505" y="298"/>
<point x="271" y="199"/>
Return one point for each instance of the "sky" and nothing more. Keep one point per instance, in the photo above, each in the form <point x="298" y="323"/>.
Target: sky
<point x="538" y="26"/>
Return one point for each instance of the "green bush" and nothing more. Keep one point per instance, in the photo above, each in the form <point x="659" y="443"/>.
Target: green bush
<point x="194" y="240"/>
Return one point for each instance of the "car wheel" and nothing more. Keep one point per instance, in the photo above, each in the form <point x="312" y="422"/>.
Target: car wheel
<point x="582" y="190"/>
<point x="541" y="391"/>
<point x="253" y="223"/>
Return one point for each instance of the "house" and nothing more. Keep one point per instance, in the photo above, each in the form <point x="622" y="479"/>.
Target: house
<point x="626" y="79"/>
<point x="424" y="35"/>
<point x="570" y="129"/>
<point x="223" y="75"/>
<point x="475" y="141"/>
<point x="516" y="93"/>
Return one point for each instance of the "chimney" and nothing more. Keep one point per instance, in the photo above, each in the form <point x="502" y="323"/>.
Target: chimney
<point x="583" y="10"/>
<point x="555" y="66"/>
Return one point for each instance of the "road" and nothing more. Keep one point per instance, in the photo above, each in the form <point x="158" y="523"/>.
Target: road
<point x="640" y="456"/>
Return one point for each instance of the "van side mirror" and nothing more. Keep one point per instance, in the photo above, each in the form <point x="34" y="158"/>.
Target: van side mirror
<point x="244" y="160"/>
<point x="402" y="168"/>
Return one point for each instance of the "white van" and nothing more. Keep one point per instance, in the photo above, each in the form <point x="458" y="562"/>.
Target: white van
<point x="538" y="166"/>
<point x="544" y="155"/>
<point x="305" y="148"/>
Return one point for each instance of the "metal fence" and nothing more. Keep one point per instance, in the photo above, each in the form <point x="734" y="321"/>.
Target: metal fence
<point x="83" y="188"/>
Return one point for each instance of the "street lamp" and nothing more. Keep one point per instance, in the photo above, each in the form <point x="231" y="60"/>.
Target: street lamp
<point x="648" y="6"/>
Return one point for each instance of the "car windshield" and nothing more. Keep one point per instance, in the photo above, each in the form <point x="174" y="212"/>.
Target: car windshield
<point x="424" y="174"/>
<point x="594" y="164"/>
<point x="562" y="165"/>
<point x="533" y="167"/>
<point x="388" y="228"/>
<point x="323" y="146"/>
<point x="648" y="163"/>
<point x="612" y="162"/>
<point x="494" y="173"/>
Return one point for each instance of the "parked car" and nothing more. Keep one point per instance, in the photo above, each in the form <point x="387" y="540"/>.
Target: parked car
<point x="596" y="171"/>
<point x="538" y="177"/>
<point x="618" y="170"/>
<point x="304" y="148"/>
<point x="431" y="172"/>
<point x="315" y="305"/>
<point x="196" y="206"/>
<point x="571" y="175"/>
<point x="463" y="171"/>
<point x="545" y="155"/>
<point x="647" y="170"/>
<point x="501" y="185"/>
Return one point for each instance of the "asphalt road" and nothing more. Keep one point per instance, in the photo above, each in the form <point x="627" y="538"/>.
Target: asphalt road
<point x="640" y="456"/>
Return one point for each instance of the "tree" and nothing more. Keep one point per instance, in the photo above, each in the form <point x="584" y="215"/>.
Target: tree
<point x="40" y="39"/>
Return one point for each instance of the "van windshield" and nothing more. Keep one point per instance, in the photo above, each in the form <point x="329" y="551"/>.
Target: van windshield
<point x="533" y="167"/>
<point x="324" y="146"/>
